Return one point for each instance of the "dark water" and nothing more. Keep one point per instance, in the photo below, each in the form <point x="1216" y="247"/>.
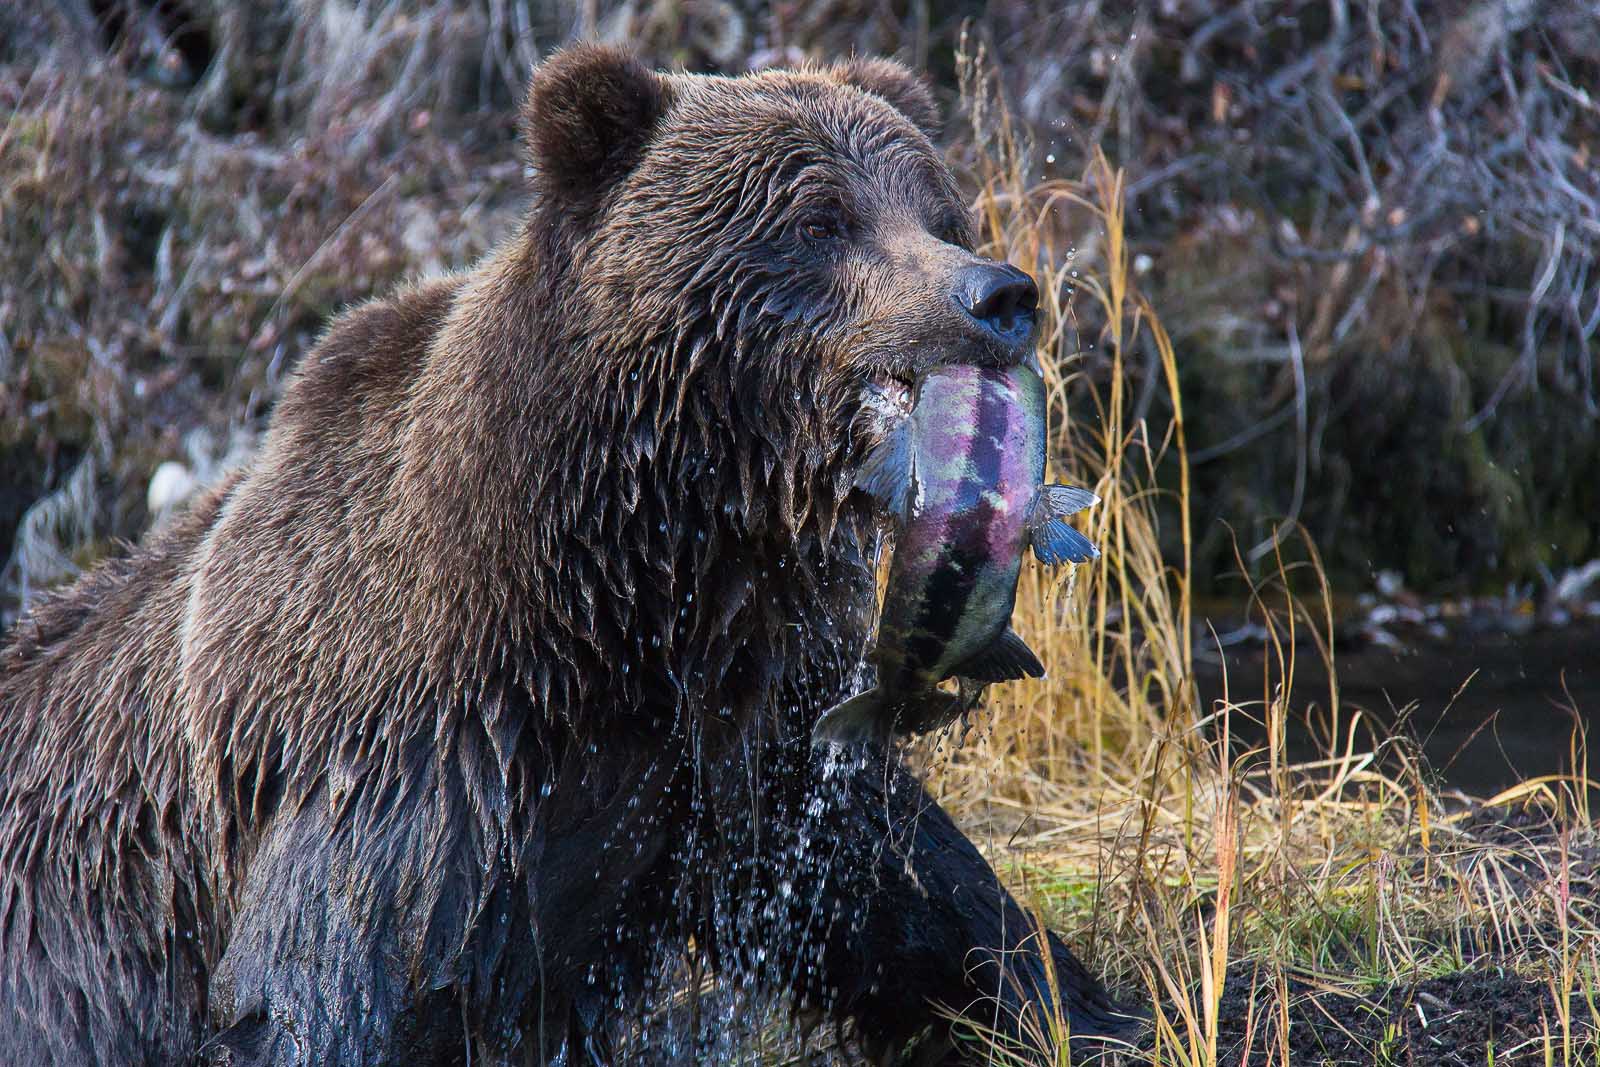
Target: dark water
<point x="1489" y="708"/>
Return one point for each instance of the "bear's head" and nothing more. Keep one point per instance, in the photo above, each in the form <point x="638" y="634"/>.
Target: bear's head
<point x="770" y="256"/>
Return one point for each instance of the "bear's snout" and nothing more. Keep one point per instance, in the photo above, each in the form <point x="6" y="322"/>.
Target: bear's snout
<point x="1001" y="300"/>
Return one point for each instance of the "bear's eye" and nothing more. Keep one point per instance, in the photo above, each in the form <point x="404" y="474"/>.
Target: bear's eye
<point x="952" y="231"/>
<point x="818" y="227"/>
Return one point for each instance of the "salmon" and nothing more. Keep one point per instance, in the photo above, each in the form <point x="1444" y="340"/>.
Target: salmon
<point x="962" y="477"/>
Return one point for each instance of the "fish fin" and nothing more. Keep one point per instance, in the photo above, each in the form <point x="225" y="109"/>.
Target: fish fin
<point x="1008" y="657"/>
<point x="1059" y="501"/>
<point x="886" y="473"/>
<point x="1053" y="540"/>
<point x="863" y="718"/>
<point x="932" y="710"/>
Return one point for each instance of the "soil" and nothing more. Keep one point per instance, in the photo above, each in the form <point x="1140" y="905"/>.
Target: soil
<point x="1482" y="1015"/>
<point x="1474" y="1018"/>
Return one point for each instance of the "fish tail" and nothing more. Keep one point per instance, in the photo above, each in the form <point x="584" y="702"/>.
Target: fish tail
<point x="874" y="715"/>
<point x="862" y="718"/>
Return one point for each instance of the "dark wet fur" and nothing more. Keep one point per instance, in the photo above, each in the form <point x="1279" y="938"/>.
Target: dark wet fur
<point x="409" y="745"/>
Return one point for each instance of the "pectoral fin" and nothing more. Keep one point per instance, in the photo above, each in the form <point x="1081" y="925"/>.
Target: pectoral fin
<point x="1008" y="657"/>
<point x="1053" y="540"/>
<point x="887" y="473"/>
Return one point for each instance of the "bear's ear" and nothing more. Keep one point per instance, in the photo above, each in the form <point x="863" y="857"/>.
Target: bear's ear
<point x="897" y="84"/>
<point x="590" y="112"/>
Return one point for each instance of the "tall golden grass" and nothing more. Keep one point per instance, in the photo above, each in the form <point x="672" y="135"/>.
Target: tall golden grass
<point x="1124" y="810"/>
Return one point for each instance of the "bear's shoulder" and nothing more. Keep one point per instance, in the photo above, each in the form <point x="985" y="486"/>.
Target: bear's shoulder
<point x="370" y="354"/>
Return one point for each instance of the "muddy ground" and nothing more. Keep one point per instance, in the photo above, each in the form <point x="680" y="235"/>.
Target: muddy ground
<point x="1470" y="1019"/>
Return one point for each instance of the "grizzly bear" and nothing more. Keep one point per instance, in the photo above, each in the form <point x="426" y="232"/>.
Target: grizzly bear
<point x="488" y="685"/>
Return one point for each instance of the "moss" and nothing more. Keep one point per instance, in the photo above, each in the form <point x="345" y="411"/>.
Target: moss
<point x="1398" y="476"/>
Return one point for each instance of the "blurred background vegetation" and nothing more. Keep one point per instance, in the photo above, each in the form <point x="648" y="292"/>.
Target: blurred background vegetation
<point x="1370" y="226"/>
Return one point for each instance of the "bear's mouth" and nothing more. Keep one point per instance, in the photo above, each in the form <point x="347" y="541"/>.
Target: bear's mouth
<point x="891" y="395"/>
<point x="885" y="402"/>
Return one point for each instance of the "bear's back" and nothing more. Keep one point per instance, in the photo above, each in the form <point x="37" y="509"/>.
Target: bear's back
<point x="98" y="743"/>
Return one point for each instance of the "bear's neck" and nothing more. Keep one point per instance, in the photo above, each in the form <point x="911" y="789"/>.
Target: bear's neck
<point x="666" y="521"/>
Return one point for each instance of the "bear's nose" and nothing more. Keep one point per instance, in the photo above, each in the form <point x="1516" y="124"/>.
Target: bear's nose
<point x="1000" y="298"/>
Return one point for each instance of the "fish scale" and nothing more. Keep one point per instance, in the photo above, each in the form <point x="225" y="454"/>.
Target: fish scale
<point x="961" y="475"/>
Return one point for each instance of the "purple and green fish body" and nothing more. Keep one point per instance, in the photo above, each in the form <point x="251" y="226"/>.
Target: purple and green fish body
<point x="963" y="474"/>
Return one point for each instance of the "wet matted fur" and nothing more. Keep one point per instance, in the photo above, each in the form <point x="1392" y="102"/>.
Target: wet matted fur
<point x="490" y="680"/>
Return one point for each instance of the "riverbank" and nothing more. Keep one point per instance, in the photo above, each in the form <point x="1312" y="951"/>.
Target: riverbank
<point x="1276" y="894"/>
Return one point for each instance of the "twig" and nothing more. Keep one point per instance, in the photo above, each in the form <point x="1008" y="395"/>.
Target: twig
<point x="1297" y="357"/>
<point x="1523" y="371"/>
<point x="316" y="257"/>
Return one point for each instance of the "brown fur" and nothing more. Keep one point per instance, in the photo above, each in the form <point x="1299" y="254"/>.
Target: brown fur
<point x="496" y="667"/>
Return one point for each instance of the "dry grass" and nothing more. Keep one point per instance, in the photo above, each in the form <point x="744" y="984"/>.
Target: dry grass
<point x="1128" y="812"/>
